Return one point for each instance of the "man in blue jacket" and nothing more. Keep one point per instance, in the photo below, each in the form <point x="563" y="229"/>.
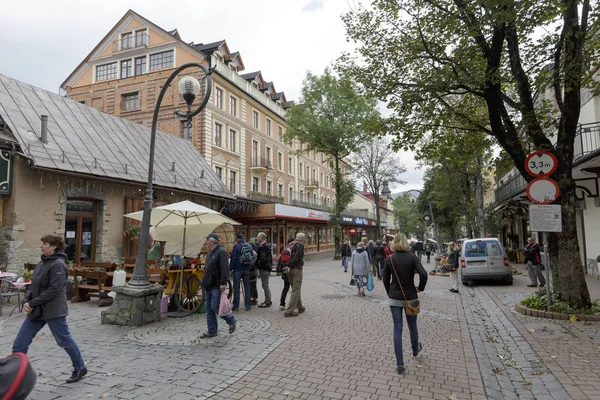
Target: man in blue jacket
<point x="241" y="270"/>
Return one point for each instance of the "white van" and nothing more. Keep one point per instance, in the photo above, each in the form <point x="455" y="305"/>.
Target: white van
<point x="484" y="258"/>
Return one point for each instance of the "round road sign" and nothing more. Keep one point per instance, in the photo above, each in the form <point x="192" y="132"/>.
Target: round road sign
<point x="542" y="190"/>
<point x="541" y="163"/>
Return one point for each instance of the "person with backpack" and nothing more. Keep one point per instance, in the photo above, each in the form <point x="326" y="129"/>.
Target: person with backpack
<point x="284" y="275"/>
<point x="346" y="252"/>
<point x="242" y="256"/>
<point x="294" y="270"/>
<point x="379" y="257"/>
<point x="253" y="279"/>
<point x="264" y="264"/>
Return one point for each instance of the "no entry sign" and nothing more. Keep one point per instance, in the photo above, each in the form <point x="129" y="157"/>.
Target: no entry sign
<point x="542" y="190"/>
<point x="541" y="163"/>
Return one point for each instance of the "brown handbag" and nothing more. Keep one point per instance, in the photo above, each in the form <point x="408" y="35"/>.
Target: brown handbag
<point x="413" y="307"/>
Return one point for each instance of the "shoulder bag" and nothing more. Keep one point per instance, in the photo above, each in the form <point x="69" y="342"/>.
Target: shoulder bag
<point x="413" y="307"/>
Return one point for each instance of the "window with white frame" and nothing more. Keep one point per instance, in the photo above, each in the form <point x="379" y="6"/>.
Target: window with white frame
<point x="301" y="170"/>
<point x="232" y="140"/>
<point x="301" y="197"/>
<point x="127" y="41"/>
<point x="254" y="153"/>
<point x="268" y="155"/>
<point x="290" y="165"/>
<point x="280" y="133"/>
<point x="218" y="131"/>
<point x="291" y="194"/>
<point x="233" y="106"/>
<point x="232" y="181"/>
<point x="255" y="118"/>
<point x="255" y="184"/>
<point x="321" y="180"/>
<point x="219" y="172"/>
<point x="219" y="98"/>
<point x="141" y="38"/>
<point x="126" y="69"/>
<point x="269" y="187"/>
<point x="161" y="60"/>
<point x="269" y="127"/>
<point x="280" y="190"/>
<point x="307" y="172"/>
<point x="106" y="71"/>
<point x="280" y="161"/>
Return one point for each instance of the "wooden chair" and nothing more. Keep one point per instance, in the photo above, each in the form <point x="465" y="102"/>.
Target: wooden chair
<point x="29" y="266"/>
<point x="95" y="288"/>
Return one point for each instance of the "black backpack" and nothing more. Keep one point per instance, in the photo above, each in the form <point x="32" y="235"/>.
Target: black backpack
<point x="17" y="377"/>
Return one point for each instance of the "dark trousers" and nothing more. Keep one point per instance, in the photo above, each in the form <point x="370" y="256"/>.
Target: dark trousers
<point x="411" y="320"/>
<point x="60" y="330"/>
<point x="213" y="303"/>
<point x="237" y="277"/>
<point x="286" y="289"/>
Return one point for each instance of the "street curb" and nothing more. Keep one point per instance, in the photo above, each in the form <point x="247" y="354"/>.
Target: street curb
<point x="553" y="315"/>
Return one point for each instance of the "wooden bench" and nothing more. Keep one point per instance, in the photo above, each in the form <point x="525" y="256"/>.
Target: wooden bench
<point x="84" y="291"/>
<point x="156" y="275"/>
<point x="108" y="266"/>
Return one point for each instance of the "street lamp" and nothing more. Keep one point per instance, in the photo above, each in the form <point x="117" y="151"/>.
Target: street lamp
<point x="189" y="87"/>
<point x="435" y="231"/>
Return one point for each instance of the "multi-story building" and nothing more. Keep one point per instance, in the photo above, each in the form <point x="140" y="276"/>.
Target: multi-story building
<point x="241" y="132"/>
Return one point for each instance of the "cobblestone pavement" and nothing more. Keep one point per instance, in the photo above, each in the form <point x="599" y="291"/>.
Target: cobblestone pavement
<point x="475" y="347"/>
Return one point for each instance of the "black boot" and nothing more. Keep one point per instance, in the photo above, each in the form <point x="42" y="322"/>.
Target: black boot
<point x="77" y="375"/>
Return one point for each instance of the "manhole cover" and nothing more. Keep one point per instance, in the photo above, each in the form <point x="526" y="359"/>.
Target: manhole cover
<point x="333" y="296"/>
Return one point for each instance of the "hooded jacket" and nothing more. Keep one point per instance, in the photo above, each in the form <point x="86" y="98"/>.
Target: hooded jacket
<point x="360" y="261"/>
<point x="48" y="288"/>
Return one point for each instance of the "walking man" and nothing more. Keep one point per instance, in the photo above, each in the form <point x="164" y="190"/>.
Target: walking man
<point x="264" y="264"/>
<point x="294" y="271"/>
<point x="346" y="252"/>
<point x="214" y="282"/>
<point x="428" y="251"/>
<point x="242" y="256"/>
<point x="534" y="263"/>
<point x="419" y="249"/>
<point x="379" y="257"/>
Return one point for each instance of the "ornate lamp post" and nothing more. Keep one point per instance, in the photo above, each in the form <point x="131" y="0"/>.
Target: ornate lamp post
<point x="138" y="302"/>
<point x="189" y="87"/>
<point x="433" y="225"/>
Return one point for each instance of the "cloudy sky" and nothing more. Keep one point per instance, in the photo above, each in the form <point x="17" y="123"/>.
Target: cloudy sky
<point x="44" y="41"/>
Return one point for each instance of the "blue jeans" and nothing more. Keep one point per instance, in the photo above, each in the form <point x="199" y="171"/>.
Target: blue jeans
<point x="345" y="262"/>
<point x="237" y="275"/>
<point x="60" y="331"/>
<point x="412" y="327"/>
<point x="213" y="301"/>
<point x="380" y="265"/>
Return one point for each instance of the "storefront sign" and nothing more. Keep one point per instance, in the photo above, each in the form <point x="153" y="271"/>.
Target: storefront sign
<point x="361" y="221"/>
<point x="348" y="220"/>
<point x="285" y="211"/>
<point x="352" y="231"/>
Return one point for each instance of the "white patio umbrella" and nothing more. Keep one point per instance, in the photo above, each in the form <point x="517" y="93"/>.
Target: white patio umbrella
<point x="181" y="215"/>
<point x="195" y="237"/>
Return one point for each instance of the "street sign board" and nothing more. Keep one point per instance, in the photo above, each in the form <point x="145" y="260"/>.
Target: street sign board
<point x="545" y="218"/>
<point x="541" y="163"/>
<point x="542" y="190"/>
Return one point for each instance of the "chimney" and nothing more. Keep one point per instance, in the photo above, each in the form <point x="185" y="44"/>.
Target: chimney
<point x="44" y="134"/>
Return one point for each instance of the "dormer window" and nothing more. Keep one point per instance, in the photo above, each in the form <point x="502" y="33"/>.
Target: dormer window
<point x="141" y="38"/>
<point x="134" y="39"/>
<point x="127" y="41"/>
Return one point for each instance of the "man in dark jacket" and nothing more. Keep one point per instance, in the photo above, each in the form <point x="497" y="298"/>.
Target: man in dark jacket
<point x="346" y="252"/>
<point x="534" y="263"/>
<point x="379" y="257"/>
<point x="294" y="271"/>
<point x="264" y="264"/>
<point x="419" y="249"/>
<point x="46" y="303"/>
<point x="214" y="282"/>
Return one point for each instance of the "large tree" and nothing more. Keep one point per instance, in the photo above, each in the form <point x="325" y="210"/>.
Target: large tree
<point x="375" y="162"/>
<point x="408" y="215"/>
<point x="524" y="61"/>
<point x="333" y="118"/>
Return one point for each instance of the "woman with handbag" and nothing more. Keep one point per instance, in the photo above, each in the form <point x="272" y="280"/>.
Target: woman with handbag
<point x="46" y="303"/>
<point x="452" y="265"/>
<point x="360" y="267"/>
<point x="398" y="278"/>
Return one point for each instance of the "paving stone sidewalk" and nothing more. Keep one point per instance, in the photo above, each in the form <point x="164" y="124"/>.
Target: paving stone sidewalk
<point x="476" y="347"/>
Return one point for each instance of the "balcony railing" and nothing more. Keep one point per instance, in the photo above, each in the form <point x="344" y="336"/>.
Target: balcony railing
<point x="587" y="141"/>
<point x="312" y="183"/>
<point x="260" y="165"/>
<point x="360" y="213"/>
<point x="315" y="205"/>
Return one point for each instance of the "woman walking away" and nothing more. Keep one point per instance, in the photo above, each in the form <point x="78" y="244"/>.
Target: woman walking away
<point x="360" y="267"/>
<point x="398" y="279"/>
<point x="46" y="303"/>
<point x="452" y="265"/>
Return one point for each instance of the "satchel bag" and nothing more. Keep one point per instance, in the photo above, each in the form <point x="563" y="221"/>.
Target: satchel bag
<point x="413" y="307"/>
<point x="370" y="284"/>
<point x="35" y="314"/>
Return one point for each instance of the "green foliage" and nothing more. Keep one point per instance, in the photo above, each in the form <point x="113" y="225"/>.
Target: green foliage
<point x="408" y="216"/>
<point x="538" y="301"/>
<point x="27" y="274"/>
<point x="494" y="221"/>
<point x="268" y="196"/>
<point x="132" y="232"/>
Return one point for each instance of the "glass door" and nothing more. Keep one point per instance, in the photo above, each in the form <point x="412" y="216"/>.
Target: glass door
<point x="80" y="230"/>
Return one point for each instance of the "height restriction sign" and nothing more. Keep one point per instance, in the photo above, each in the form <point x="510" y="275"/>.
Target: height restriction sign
<point x="541" y="163"/>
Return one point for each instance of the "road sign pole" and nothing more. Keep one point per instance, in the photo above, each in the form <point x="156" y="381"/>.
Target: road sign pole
<point x="547" y="270"/>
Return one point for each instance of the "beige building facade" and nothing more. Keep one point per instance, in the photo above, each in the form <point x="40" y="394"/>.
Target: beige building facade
<point x="241" y="132"/>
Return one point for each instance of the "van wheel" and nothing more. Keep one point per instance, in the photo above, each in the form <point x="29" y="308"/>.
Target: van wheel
<point x="465" y="282"/>
<point x="509" y="281"/>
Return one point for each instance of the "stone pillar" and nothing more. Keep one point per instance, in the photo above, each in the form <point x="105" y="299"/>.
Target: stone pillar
<point x="134" y="306"/>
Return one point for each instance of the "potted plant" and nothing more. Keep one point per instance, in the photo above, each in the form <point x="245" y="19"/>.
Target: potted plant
<point x="132" y="232"/>
<point x="27" y="275"/>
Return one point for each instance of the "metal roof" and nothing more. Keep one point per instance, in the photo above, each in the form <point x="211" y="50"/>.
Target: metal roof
<point x="84" y="140"/>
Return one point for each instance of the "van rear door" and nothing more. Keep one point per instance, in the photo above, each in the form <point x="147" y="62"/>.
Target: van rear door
<point x="495" y="257"/>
